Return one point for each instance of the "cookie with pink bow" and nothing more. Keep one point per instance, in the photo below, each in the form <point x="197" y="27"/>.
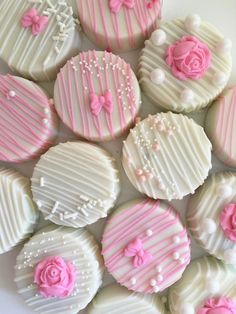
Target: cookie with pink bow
<point x="145" y="246"/>
<point x="185" y="64"/>
<point x="97" y="95"/>
<point x="118" y="25"/>
<point x="37" y="36"/>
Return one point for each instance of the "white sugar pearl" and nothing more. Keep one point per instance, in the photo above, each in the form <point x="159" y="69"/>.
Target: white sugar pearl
<point x="160" y="278"/>
<point x="212" y="286"/>
<point x="224" y="190"/>
<point x="176" y="256"/>
<point x="156" y="289"/>
<point x="187" y="308"/>
<point x="230" y="256"/>
<point x="12" y="93"/>
<point x="157" y="76"/>
<point x="45" y="121"/>
<point x="224" y="46"/>
<point x="209" y="226"/>
<point x="219" y="78"/>
<point x="153" y="282"/>
<point x="176" y="239"/>
<point x="133" y="281"/>
<point x="158" y="37"/>
<point x="149" y="232"/>
<point x="187" y="96"/>
<point x="193" y="22"/>
<point x="159" y="269"/>
<point x="181" y="260"/>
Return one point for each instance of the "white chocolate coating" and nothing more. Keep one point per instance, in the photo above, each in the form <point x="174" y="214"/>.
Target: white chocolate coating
<point x="119" y="31"/>
<point x="188" y="295"/>
<point x="96" y="73"/>
<point x="220" y="126"/>
<point x="29" y="123"/>
<point x="167" y="156"/>
<point x="203" y="215"/>
<point x="18" y="214"/>
<point x="114" y="299"/>
<point x="37" y="57"/>
<point x="168" y="94"/>
<point x="75" y="184"/>
<point x="74" y="245"/>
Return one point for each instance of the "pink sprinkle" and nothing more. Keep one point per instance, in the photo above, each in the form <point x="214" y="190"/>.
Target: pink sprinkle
<point x="149" y="175"/>
<point x="142" y="178"/>
<point x="156" y="147"/>
<point x="139" y="172"/>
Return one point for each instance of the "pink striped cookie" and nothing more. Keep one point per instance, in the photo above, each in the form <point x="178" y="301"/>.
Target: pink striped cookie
<point x="119" y="25"/>
<point x="28" y="123"/>
<point x="221" y="126"/>
<point x="97" y="95"/>
<point x="145" y="246"/>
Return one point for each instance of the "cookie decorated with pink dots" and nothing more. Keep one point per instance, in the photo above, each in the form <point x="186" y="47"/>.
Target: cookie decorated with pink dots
<point x="119" y="25"/>
<point x="167" y="156"/>
<point x="185" y="64"/>
<point x="220" y="126"/>
<point x="59" y="270"/>
<point x="97" y="95"/>
<point x="211" y="216"/>
<point x="28" y="123"/>
<point x="145" y="246"/>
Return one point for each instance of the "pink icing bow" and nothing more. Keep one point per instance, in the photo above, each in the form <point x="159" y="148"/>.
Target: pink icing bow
<point x="32" y="19"/>
<point x="135" y="249"/>
<point x="97" y="103"/>
<point x="115" y="5"/>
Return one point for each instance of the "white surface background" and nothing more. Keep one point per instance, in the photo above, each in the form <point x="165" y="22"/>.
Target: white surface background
<point x="223" y="15"/>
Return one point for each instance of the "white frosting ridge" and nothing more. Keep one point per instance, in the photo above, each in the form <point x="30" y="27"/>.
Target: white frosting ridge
<point x="220" y="126"/>
<point x="18" y="214"/>
<point x="74" y="245"/>
<point x="37" y="57"/>
<point x="75" y="184"/>
<point x="207" y="204"/>
<point x="193" y="288"/>
<point x="172" y="154"/>
<point x="114" y="299"/>
<point x="168" y="93"/>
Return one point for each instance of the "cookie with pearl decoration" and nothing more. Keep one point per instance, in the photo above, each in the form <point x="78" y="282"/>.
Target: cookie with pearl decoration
<point x="145" y="246"/>
<point x="185" y="64"/>
<point x="211" y="216"/>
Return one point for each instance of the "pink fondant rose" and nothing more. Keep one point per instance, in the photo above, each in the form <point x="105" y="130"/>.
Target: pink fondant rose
<point x="218" y="306"/>
<point x="55" y="277"/>
<point x="228" y="221"/>
<point x="188" y="58"/>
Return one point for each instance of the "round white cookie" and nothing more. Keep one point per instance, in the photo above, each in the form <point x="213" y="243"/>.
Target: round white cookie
<point x="167" y="156"/>
<point x="29" y="123"/>
<point x="18" y="214"/>
<point x="185" y="64"/>
<point x="59" y="270"/>
<point x="211" y="216"/>
<point x="220" y="126"/>
<point x="75" y="184"/>
<point x="114" y="299"/>
<point x="208" y="286"/>
<point x="37" y="36"/>
<point x="97" y="95"/>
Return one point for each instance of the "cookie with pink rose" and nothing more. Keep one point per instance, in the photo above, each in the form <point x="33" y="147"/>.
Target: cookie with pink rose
<point x="118" y="25"/>
<point x="145" y="246"/>
<point x="208" y="286"/>
<point x="211" y="216"/>
<point x="185" y="64"/>
<point x="59" y="270"/>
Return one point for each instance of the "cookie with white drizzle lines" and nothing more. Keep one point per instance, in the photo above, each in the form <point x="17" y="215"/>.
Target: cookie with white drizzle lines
<point x="145" y="246"/>
<point x="37" y="36"/>
<point x="167" y="156"/>
<point x="211" y="216"/>
<point x="220" y="126"/>
<point x="18" y="213"/>
<point x="29" y="123"/>
<point x="97" y="95"/>
<point x="207" y="286"/>
<point x="59" y="270"/>
<point x="75" y="184"/>
<point x="114" y="299"/>
<point x="185" y="64"/>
